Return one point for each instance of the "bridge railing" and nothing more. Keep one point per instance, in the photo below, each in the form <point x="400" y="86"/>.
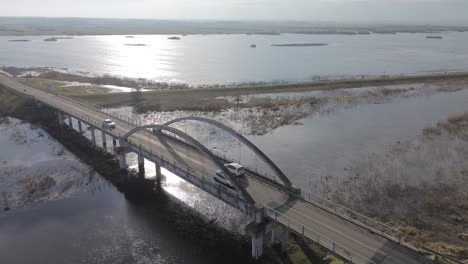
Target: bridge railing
<point x="376" y="226"/>
<point x="365" y="221"/>
<point x="316" y="236"/>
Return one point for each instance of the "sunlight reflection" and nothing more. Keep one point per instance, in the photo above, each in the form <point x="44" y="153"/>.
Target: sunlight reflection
<point x="141" y="56"/>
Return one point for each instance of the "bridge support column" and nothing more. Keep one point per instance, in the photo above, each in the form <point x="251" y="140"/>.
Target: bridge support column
<point x="114" y="142"/>
<point x="141" y="165"/>
<point x="256" y="231"/>
<point x="122" y="158"/>
<point x="93" y="135"/>
<point x="257" y="246"/>
<point x="104" y="142"/>
<point x="70" y="121"/>
<point x="280" y="234"/>
<point x="60" y="118"/>
<point x="80" y="127"/>
<point x="158" y="172"/>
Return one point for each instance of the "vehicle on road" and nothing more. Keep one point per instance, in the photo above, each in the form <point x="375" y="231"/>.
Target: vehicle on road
<point x="236" y="169"/>
<point x="223" y="179"/>
<point x="108" y="123"/>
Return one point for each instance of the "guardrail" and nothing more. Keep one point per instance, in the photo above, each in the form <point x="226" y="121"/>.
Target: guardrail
<point x="378" y="227"/>
<point x="317" y="237"/>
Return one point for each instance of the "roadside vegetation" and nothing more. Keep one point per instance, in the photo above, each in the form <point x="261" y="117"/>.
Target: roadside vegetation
<point x="426" y="195"/>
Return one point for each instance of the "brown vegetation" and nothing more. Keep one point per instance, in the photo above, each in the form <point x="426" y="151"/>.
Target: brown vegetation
<point x="419" y="186"/>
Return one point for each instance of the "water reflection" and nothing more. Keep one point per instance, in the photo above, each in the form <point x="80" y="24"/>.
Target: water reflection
<point x="96" y="224"/>
<point x="225" y="59"/>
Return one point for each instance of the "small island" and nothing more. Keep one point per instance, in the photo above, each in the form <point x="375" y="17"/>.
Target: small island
<point x="19" y="40"/>
<point x="129" y="36"/>
<point x="174" y="38"/>
<point x="253" y="46"/>
<point x="300" y="45"/>
<point x="135" y="45"/>
<point x="56" y="38"/>
<point x="434" y="37"/>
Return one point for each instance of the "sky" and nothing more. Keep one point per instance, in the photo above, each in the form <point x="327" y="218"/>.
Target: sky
<point x="400" y="11"/>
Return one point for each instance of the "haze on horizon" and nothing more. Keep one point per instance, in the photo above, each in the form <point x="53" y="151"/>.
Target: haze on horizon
<point x="346" y="11"/>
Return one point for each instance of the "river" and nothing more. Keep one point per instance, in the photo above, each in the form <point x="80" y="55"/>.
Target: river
<point x="91" y="222"/>
<point x="221" y="59"/>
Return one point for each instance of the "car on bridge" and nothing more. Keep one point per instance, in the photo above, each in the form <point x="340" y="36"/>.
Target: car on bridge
<point x="108" y="123"/>
<point x="223" y="179"/>
<point x="236" y="169"/>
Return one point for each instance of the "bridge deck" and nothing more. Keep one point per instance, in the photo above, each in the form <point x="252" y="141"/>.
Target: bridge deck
<point x="346" y="238"/>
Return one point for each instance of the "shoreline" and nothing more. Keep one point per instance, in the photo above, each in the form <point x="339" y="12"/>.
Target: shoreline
<point x="164" y="97"/>
<point x="21" y="26"/>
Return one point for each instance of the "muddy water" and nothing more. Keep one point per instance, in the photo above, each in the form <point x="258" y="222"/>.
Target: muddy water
<point x="83" y="219"/>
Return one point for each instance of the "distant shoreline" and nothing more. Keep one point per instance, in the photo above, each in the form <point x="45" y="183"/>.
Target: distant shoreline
<point x="11" y="26"/>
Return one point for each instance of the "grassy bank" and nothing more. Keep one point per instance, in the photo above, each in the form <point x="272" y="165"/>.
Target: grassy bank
<point x="168" y="97"/>
<point x="208" y="99"/>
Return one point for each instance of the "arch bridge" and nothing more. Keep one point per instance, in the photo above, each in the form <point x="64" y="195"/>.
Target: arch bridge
<point x="275" y="208"/>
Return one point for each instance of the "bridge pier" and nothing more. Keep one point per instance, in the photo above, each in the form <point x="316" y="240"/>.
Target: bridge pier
<point x="158" y="172"/>
<point x="114" y="142"/>
<point x="104" y="142"/>
<point x="122" y="158"/>
<point x="141" y="165"/>
<point x="256" y="230"/>
<point x="257" y="246"/>
<point x="93" y="135"/>
<point x="80" y="127"/>
<point x="280" y="235"/>
<point x="60" y="118"/>
<point x="70" y="121"/>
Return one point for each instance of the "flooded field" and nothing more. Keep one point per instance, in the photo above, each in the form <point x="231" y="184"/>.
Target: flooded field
<point x="310" y="142"/>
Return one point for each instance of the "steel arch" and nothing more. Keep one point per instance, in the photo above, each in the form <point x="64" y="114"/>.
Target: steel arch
<point x="241" y="138"/>
<point x="200" y="148"/>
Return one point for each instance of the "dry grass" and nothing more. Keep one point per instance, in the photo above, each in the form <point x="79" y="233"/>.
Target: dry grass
<point x="36" y="185"/>
<point x="432" y="131"/>
<point x="419" y="186"/>
<point x="458" y="119"/>
<point x="450" y="250"/>
<point x="57" y="88"/>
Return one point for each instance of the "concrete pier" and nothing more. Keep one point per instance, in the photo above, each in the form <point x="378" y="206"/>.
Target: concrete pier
<point x="256" y="231"/>
<point x="280" y="235"/>
<point x="141" y="165"/>
<point x="158" y="172"/>
<point x="80" y="127"/>
<point x="104" y="142"/>
<point x="114" y="142"/>
<point x="70" y="121"/>
<point x="60" y="117"/>
<point x="257" y="246"/>
<point x="93" y="135"/>
<point x="122" y="158"/>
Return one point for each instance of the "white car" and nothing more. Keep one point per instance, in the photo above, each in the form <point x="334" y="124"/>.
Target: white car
<point x="108" y="123"/>
<point x="221" y="178"/>
<point x="236" y="169"/>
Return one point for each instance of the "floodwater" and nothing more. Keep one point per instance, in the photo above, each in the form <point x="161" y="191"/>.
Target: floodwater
<point x="221" y="59"/>
<point x="91" y="222"/>
<point x="325" y="142"/>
